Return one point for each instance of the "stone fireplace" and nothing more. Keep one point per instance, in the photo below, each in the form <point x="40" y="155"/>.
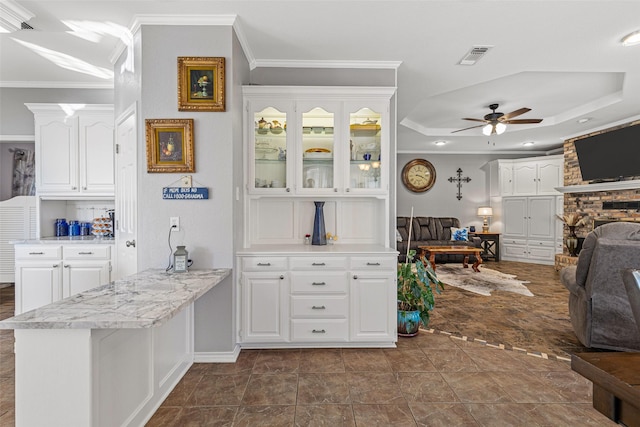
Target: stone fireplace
<point x="609" y="203"/>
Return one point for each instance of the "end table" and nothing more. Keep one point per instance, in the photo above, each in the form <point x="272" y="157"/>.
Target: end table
<point x="490" y="244"/>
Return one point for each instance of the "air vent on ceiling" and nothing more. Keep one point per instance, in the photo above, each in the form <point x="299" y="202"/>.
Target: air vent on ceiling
<point x="25" y="26"/>
<point x="474" y="55"/>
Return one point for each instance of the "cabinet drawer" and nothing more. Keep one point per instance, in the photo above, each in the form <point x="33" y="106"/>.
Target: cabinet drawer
<point x="87" y="252"/>
<point x="309" y="330"/>
<point x="373" y="262"/>
<point x="546" y="253"/>
<point x="512" y="241"/>
<point x="514" y="250"/>
<point x="37" y="252"/>
<point x="318" y="263"/>
<point x="319" y="306"/>
<point x="312" y="282"/>
<point x="264" y="263"/>
<point x="545" y="243"/>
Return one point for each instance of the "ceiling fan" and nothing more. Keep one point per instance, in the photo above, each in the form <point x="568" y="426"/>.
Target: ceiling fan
<point x="496" y="122"/>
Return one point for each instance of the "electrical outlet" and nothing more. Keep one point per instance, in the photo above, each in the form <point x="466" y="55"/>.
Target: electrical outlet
<point x="175" y="221"/>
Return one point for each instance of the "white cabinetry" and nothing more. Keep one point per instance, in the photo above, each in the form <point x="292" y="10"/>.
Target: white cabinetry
<point x="46" y="273"/>
<point x="317" y="140"/>
<point x="38" y="276"/>
<point x="75" y="150"/>
<point x="317" y="300"/>
<point x="529" y="229"/>
<point x="537" y="177"/>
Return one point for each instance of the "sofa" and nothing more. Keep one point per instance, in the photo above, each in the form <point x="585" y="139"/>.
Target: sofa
<point x="601" y="315"/>
<point x="431" y="231"/>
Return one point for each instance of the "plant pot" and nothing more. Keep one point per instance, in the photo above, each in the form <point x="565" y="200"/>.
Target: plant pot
<point x="408" y="323"/>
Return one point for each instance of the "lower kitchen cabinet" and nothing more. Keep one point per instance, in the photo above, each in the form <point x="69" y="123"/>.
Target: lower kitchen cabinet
<point x="46" y="273"/>
<point x="317" y="300"/>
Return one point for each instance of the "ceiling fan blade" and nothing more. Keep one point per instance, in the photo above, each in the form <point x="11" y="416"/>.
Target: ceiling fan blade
<point x="472" y="127"/>
<point x="521" y="121"/>
<point x="514" y="114"/>
<point x="476" y="120"/>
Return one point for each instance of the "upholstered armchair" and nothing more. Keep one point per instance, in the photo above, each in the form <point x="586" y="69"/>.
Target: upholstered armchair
<point x="631" y="279"/>
<point x="599" y="306"/>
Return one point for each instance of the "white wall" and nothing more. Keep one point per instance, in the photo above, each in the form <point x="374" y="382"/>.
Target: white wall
<point x="440" y="200"/>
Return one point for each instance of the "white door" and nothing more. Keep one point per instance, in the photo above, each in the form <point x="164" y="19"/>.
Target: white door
<point x="265" y="316"/>
<point x="515" y="217"/>
<point x="373" y="307"/>
<point x="37" y="284"/>
<point x="80" y="276"/>
<point x="126" y="194"/>
<point x="96" y="154"/>
<point x="542" y="220"/>
<point x="550" y="175"/>
<point x="524" y="179"/>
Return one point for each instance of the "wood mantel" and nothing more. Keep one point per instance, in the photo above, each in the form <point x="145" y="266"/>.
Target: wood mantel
<point x="603" y="186"/>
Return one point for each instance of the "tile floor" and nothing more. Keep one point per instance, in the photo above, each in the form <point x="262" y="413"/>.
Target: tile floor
<point x="434" y="379"/>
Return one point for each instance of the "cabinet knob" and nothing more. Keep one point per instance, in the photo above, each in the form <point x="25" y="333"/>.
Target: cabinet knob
<point x="347" y="190"/>
<point x="74" y="188"/>
<point x="335" y="190"/>
<point x="288" y="190"/>
<point x="67" y="266"/>
<point x="56" y="265"/>
<point x="282" y="277"/>
<point x="131" y="243"/>
<point x="355" y="276"/>
<point x="84" y="188"/>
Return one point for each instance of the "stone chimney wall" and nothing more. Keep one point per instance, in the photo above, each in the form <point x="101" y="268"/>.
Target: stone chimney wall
<point x="590" y="204"/>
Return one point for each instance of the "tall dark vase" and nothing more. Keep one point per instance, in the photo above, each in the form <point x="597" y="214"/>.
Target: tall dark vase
<point x="319" y="236"/>
<point x="572" y="241"/>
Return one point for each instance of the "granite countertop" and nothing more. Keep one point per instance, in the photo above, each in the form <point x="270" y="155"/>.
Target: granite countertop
<point x="146" y="299"/>
<point x="92" y="240"/>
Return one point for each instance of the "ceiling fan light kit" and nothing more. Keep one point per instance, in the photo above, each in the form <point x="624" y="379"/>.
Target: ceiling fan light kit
<point x="496" y="122"/>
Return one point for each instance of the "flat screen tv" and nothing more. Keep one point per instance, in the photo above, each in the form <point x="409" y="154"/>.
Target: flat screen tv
<point x="610" y="156"/>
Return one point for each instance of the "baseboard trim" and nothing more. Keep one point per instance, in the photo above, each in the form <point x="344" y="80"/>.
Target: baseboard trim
<point x="217" y="356"/>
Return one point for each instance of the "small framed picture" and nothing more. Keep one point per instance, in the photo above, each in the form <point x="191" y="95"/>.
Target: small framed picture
<point x="170" y="145"/>
<point x="200" y="83"/>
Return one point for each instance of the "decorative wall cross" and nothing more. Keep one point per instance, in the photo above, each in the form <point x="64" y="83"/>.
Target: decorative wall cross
<point x="459" y="180"/>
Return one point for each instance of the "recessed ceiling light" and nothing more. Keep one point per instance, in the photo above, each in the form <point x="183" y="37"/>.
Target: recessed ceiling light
<point x="528" y="143"/>
<point x="440" y="142"/>
<point x="631" y="39"/>
<point x="584" y="120"/>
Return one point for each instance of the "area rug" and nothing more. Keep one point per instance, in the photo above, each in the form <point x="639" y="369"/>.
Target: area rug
<point x="483" y="283"/>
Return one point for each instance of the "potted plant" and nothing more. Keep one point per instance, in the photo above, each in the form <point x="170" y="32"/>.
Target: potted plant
<point x="416" y="284"/>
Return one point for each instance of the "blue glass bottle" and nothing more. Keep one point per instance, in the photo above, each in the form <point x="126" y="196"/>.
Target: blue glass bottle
<point x="62" y="228"/>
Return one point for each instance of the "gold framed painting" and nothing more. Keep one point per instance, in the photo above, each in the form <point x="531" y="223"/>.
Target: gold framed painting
<point x="200" y="83"/>
<point x="170" y="145"/>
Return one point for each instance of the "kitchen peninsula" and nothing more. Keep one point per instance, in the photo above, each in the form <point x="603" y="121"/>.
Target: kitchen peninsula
<point x="109" y="355"/>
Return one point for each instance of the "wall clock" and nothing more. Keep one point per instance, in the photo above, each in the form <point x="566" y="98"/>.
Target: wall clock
<point x="418" y="175"/>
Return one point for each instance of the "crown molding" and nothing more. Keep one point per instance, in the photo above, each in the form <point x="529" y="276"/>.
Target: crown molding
<point x="290" y="63"/>
<point x="56" y="85"/>
<point x="17" y="138"/>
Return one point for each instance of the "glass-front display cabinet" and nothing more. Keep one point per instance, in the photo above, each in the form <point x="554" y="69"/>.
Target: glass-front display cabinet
<point x="318" y="154"/>
<point x="317" y="141"/>
<point x="269" y="151"/>
<point x="366" y="156"/>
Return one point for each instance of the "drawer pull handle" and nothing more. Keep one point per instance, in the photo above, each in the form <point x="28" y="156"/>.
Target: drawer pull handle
<point x="315" y="307"/>
<point x="318" y="264"/>
<point x="36" y="253"/>
<point x="318" y="283"/>
<point x="321" y="331"/>
<point x="85" y="253"/>
<point x="264" y="264"/>
<point x="373" y="263"/>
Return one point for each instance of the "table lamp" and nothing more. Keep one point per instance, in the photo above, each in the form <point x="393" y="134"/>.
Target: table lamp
<point x="485" y="212"/>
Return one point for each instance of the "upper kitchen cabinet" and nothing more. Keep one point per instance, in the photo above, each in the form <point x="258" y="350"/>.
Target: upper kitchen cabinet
<point x="74" y="146"/>
<point x="538" y="176"/>
<point x="317" y="140"/>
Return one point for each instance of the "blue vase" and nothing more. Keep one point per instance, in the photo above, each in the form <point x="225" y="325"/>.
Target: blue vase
<point x="408" y="323"/>
<point x="319" y="236"/>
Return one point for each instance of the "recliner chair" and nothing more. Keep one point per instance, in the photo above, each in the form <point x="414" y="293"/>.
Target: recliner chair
<point x="631" y="279"/>
<point x="599" y="306"/>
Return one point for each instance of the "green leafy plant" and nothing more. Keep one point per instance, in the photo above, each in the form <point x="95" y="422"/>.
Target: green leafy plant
<point x="416" y="284"/>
